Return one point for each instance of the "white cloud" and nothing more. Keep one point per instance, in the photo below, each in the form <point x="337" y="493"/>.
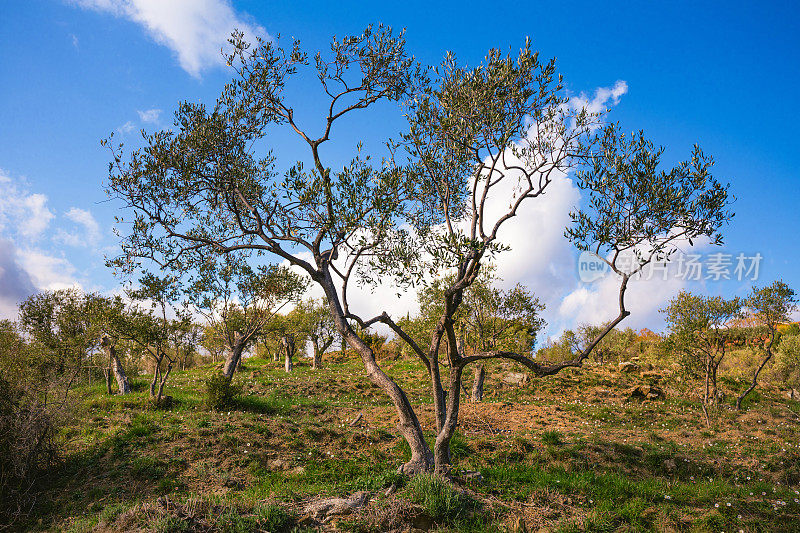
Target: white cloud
<point x="21" y="212"/>
<point x="126" y="128"/>
<point x="87" y="234"/>
<point x="48" y="272"/>
<point x="598" y="302"/>
<point x="604" y="97"/>
<point x="27" y="261"/>
<point x="195" y="30"/>
<point x="74" y="39"/>
<point x="151" y="115"/>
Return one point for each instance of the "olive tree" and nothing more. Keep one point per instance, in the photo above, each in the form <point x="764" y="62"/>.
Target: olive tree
<point x="317" y="327"/>
<point x="151" y="329"/>
<point x="489" y="318"/>
<point x="238" y="301"/>
<point x="769" y="307"/>
<point x="60" y="325"/>
<point x="504" y="130"/>
<point x="111" y="314"/>
<point x="698" y="327"/>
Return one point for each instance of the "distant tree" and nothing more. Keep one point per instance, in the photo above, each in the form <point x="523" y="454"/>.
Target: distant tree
<point x="60" y="325"/>
<point x="239" y="301"/>
<point x="316" y="325"/>
<point x="152" y="328"/>
<point x="488" y="319"/>
<point x="769" y="306"/>
<point x="111" y="316"/>
<point x="699" y="331"/>
<point x="788" y="362"/>
<point x="184" y="337"/>
<point x="504" y="130"/>
<point x="212" y="343"/>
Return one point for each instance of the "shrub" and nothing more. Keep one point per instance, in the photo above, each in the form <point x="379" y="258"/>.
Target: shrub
<point x="28" y="447"/>
<point x="220" y="392"/>
<point x="438" y="497"/>
<point x="787" y="364"/>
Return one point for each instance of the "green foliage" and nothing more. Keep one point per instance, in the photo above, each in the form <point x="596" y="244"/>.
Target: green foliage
<point x="29" y="428"/>
<point x="488" y="318"/>
<point x="62" y="331"/>
<point x="699" y="331"/>
<point x="633" y="205"/>
<point x="787" y="361"/>
<point x="441" y="501"/>
<point x="220" y="392"/>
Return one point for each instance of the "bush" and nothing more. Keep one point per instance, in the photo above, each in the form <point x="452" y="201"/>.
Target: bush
<point x="221" y="393"/>
<point x="439" y="498"/>
<point x="787" y="363"/>
<point x="28" y="447"/>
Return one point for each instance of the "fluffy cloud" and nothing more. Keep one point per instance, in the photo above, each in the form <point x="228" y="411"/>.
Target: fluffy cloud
<point x="48" y="272"/>
<point x="21" y="211"/>
<point x="15" y="283"/>
<point x="604" y="98"/>
<point x="598" y="302"/>
<point x="28" y="259"/>
<point x="86" y="233"/>
<point x="151" y="115"/>
<point x="195" y="30"/>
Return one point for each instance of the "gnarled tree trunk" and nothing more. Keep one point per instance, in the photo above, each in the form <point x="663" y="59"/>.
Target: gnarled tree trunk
<point x="421" y="456"/>
<point x="234" y="357"/>
<point x="753" y="384"/>
<point x="116" y="367"/>
<point x="316" y="362"/>
<point x="287" y="341"/>
<point x="477" y="384"/>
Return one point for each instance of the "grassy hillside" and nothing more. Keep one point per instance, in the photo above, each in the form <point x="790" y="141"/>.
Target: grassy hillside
<point x="566" y="453"/>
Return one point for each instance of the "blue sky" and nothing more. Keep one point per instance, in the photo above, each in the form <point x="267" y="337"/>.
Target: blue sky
<point x="723" y="74"/>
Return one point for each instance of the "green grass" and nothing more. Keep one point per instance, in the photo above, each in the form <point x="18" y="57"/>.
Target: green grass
<point x="623" y="467"/>
<point x="440" y="500"/>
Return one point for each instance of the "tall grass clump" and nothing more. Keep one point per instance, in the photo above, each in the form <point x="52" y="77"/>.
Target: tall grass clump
<point x="441" y="501"/>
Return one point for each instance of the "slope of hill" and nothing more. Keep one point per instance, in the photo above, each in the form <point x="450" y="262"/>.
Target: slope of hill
<point x="574" y="452"/>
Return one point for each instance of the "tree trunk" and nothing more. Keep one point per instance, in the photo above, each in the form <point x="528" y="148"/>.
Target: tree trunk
<point x="754" y="382"/>
<point x="441" y="449"/>
<point x="288" y="351"/>
<point x="107" y="374"/>
<point x="154" y="382"/>
<point x="477" y="384"/>
<point x="758" y="371"/>
<point x="116" y="366"/>
<point x="316" y="362"/>
<point x="234" y="357"/>
<point x="421" y="456"/>
<point x="161" y="385"/>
